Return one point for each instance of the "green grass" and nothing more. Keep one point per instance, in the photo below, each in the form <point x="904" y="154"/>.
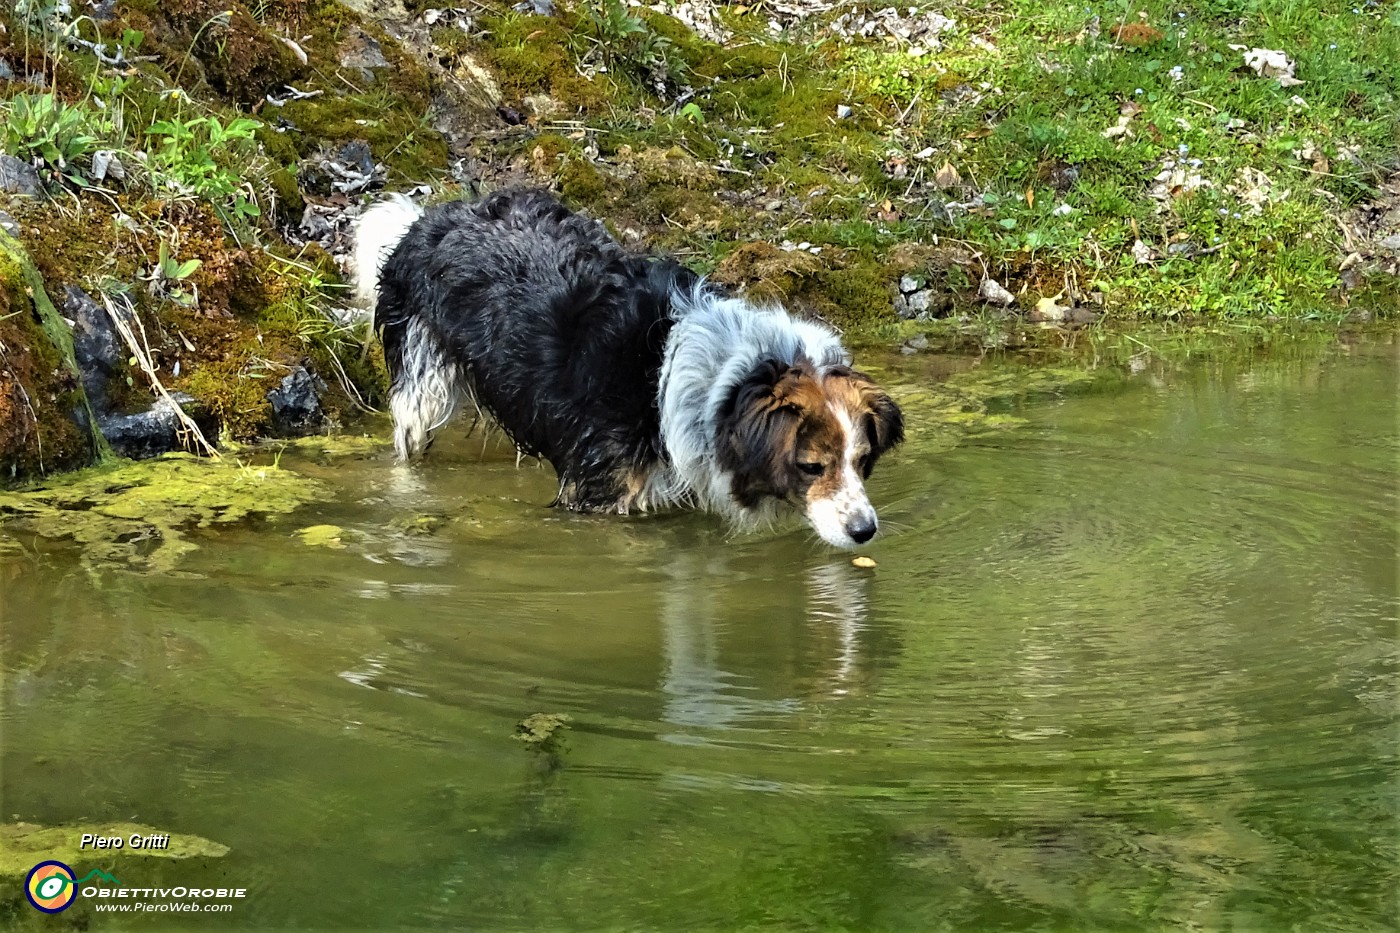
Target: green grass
<point x="1017" y="100"/>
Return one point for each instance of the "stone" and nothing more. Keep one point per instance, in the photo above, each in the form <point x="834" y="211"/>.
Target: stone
<point x="9" y="224"/>
<point x="296" y="402"/>
<point x="356" y="154"/>
<point x="156" y="430"/>
<point x="362" y="53"/>
<point x="1047" y="311"/>
<point x="1391" y="242"/>
<point x="921" y="302"/>
<point x="19" y="177"/>
<point x="97" y="347"/>
<point x="992" y="291"/>
<point x="908" y="284"/>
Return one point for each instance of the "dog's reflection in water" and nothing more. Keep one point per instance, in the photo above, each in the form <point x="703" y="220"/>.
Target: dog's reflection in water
<point x="712" y="679"/>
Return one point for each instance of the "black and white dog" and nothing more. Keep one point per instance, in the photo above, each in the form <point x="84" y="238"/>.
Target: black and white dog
<point x="640" y="382"/>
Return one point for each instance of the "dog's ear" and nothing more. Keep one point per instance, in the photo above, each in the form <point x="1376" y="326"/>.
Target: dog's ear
<point x="884" y="422"/>
<point x="758" y="432"/>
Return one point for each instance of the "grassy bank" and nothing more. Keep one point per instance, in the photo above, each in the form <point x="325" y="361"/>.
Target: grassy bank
<point x="198" y="164"/>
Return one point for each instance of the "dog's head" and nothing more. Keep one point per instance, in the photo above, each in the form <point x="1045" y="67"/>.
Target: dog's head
<point x="809" y="437"/>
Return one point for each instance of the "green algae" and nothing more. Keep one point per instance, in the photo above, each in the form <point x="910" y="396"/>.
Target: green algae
<point x="137" y="515"/>
<point x="22" y="845"/>
<point x="327" y="536"/>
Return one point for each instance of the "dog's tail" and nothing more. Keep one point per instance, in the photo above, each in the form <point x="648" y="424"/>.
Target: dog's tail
<point x="377" y="232"/>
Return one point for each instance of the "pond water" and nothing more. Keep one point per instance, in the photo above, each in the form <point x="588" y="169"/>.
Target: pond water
<point x="1128" y="661"/>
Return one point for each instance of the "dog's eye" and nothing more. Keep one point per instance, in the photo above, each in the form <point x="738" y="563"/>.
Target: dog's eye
<point x="811" y="469"/>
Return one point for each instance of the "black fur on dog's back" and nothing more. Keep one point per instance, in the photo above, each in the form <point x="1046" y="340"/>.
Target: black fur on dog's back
<point x="556" y="331"/>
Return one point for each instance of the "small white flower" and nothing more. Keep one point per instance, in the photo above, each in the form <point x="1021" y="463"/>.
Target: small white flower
<point x="1138" y="91"/>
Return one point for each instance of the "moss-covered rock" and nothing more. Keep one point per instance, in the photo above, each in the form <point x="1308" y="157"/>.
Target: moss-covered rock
<point x="42" y="402"/>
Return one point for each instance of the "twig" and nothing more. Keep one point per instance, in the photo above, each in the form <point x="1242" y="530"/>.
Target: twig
<point x="905" y="115"/>
<point x="142" y="354"/>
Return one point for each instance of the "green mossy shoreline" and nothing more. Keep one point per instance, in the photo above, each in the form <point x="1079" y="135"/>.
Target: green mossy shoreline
<point x="818" y="160"/>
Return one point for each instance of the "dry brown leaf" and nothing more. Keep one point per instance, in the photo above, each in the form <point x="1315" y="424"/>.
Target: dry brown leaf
<point x="1030" y="197"/>
<point x="863" y="562"/>
<point x="947" y="176"/>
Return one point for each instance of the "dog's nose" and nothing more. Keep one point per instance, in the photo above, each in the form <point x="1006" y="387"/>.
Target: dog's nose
<point x="862" y="529"/>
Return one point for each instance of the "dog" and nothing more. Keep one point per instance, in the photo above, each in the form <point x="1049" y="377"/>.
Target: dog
<point x="643" y="384"/>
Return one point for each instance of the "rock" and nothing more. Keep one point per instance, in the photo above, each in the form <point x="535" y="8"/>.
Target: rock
<point x="97" y="347"/>
<point x="992" y="292"/>
<point x="362" y="53"/>
<point x="9" y="224"/>
<point x="1391" y="242"/>
<point x="543" y="106"/>
<point x="921" y="302"/>
<point x="6" y="72"/>
<point x="350" y="169"/>
<point x="19" y="177"/>
<point x="1082" y="316"/>
<point x="918" y="342"/>
<point x="908" y="284"/>
<point x="154" y="431"/>
<point x="1046" y="311"/>
<point x="296" y="402"/>
<point x="356" y="155"/>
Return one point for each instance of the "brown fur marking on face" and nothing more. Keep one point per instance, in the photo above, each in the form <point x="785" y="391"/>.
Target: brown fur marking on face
<point x="871" y="412"/>
<point x="785" y="416"/>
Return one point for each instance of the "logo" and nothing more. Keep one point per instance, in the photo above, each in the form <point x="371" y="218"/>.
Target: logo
<point x="50" y="885"/>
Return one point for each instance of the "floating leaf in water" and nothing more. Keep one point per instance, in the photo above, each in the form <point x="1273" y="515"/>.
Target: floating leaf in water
<point x="863" y="562"/>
